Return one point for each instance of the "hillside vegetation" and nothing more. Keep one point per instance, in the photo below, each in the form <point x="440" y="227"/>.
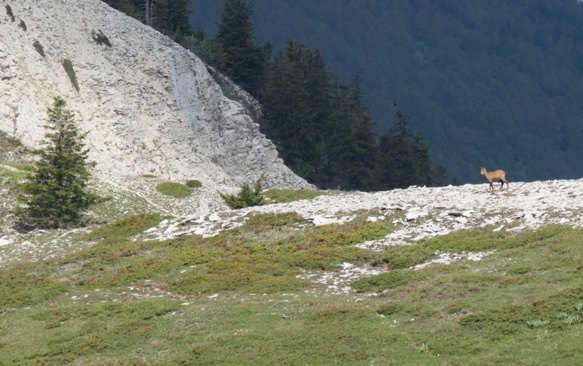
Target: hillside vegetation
<point x="495" y="84"/>
<point x="277" y="289"/>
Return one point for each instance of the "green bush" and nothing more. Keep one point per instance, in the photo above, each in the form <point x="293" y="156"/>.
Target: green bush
<point x="68" y="65"/>
<point x="176" y="190"/>
<point x="100" y="38"/>
<point x="193" y="183"/>
<point x="27" y="289"/>
<point x="39" y="48"/>
<point x="9" y="12"/>
<point x="123" y="229"/>
<point x="8" y="143"/>
<point x="22" y="25"/>
<point x="246" y="197"/>
<point x="384" y="281"/>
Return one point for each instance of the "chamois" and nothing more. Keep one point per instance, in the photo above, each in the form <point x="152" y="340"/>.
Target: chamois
<point x="496" y="176"/>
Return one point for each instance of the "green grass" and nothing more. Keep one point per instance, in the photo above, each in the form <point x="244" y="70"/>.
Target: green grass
<point x="235" y="298"/>
<point x="176" y="190"/>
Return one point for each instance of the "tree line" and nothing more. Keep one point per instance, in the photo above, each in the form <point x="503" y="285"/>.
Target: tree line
<point x="320" y="126"/>
<point x="487" y="83"/>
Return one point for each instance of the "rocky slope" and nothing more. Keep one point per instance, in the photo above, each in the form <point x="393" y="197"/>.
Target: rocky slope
<point x="417" y="213"/>
<point x="150" y="106"/>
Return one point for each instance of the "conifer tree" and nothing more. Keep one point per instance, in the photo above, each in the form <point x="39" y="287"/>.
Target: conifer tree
<point x="244" y="61"/>
<point x="296" y="109"/>
<point x="352" y="142"/>
<point x="403" y="158"/>
<point x="55" y="192"/>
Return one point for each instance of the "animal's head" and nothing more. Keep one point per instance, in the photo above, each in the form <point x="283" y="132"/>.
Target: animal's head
<point x="483" y="171"/>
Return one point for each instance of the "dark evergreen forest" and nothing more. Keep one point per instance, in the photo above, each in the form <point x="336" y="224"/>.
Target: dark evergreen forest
<point x="487" y="83"/>
<point x="320" y="126"/>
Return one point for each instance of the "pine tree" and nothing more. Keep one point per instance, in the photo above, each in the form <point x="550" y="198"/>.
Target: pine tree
<point x="246" y="197"/>
<point x="403" y="158"/>
<point x="170" y="17"/>
<point x="244" y="61"/>
<point x="296" y="109"/>
<point x="55" y="192"/>
<point x="352" y="142"/>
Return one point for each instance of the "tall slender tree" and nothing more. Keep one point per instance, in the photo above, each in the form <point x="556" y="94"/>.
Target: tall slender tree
<point x="170" y="17"/>
<point x="352" y="142"/>
<point x="403" y="157"/>
<point x="296" y="108"/>
<point x="244" y="61"/>
<point x="56" y="193"/>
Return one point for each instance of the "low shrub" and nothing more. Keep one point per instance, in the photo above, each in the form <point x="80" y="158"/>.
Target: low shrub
<point x="9" y="12"/>
<point x="246" y="197"/>
<point x="508" y="319"/>
<point x="384" y="281"/>
<point x="22" y="25"/>
<point x="9" y="143"/>
<point x="176" y="190"/>
<point x="537" y="323"/>
<point x="122" y="230"/>
<point x="193" y="183"/>
<point x="39" y="48"/>
<point x="100" y="38"/>
<point x="27" y="289"/>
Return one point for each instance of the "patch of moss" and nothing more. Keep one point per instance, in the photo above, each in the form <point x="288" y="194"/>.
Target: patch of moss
<point x="176" y="190"/>
<point x="193" y="183"/>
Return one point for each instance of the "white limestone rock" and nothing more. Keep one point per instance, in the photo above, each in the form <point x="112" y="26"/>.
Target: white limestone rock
<point x="150" y="106"/>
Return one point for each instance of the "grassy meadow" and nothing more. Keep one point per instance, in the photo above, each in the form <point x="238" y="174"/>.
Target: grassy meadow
<point x="247" y="296"/>
<point x="238" y="299"/>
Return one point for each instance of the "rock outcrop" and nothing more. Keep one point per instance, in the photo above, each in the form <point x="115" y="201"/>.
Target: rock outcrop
<point x="150" y="106"/>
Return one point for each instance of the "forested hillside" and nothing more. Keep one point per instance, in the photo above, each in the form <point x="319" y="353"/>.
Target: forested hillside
<point x="486" y="83"/>
<point x="319" y="124"/>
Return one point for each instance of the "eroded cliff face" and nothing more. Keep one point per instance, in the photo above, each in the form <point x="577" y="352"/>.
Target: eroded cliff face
<point x="150" y="106"/>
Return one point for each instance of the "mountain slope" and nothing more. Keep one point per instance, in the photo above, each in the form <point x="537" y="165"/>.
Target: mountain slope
<point x="150" y="106"/>
<point x="487" y="83"/>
